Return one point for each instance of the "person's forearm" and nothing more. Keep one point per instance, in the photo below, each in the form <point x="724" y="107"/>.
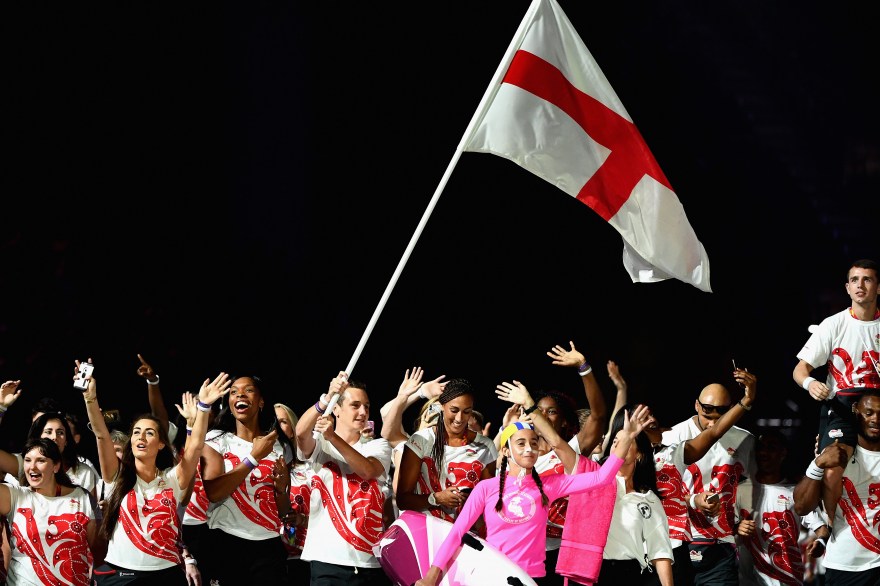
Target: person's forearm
<point x="217" y="489"/>
<point x="366" y="468"/>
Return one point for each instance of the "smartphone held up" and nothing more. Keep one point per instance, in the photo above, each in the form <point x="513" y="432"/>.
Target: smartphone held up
<point x="81" y="382"/>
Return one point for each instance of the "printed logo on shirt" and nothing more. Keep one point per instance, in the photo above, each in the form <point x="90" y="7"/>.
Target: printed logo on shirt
<point x="644" y="510"/>
<point x="731" y="452"/>
<point x="518" y="508"/>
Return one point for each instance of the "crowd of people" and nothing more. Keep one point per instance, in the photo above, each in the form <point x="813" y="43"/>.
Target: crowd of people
<point x="241" y="489"/>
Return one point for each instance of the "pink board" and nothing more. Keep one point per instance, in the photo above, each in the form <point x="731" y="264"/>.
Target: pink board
<point x="407" y="549"/>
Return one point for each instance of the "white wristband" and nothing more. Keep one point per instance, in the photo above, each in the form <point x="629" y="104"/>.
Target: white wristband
<point x="422" y="393"/>
<point x="252" y="460"/>
<point x="814" y="471"/>
<point x="586" y="372"/>
<point x="190" y="561"/>
<point x="153" y="383"/>
<point x="806" y="383"/>
<point x="691" y="502"/>
<point x="822" y="541"/>
<point x="323" y="401"/>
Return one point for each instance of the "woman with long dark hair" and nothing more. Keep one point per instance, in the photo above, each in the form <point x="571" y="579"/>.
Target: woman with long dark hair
<point x="245" y="456"/>
<point x="442" y="463"/>
<point x="140" y="522"/>
<point x="52" y="520"/>
<point x="639" y="532"/>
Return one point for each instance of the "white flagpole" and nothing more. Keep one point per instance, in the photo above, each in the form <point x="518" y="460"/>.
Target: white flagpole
<point x="478" y="115"/>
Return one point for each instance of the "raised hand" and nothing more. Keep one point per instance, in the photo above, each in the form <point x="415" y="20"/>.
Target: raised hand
<point x="514" y="392"/>
<point x="145" y="371"/>
<point x="434" y="388"/>
<point x="411" y="382"/>
<point x="213" y="390"/>
<point x="187" y="408"/>
<point x="614" y="375"/>
<point x="563" y="357"/>
<point x="9" y="393"/>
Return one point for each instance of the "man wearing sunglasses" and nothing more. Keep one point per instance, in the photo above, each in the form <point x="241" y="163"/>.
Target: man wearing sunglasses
<point x="713" y="479"/>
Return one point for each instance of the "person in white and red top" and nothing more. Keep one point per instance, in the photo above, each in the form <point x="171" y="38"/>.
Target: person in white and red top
<point x="848" y="345"/>
<point x="671" y="462"/>
<point x="52" y="520"/>
<point x="347" y="500"/>
<point x="240" y="467"/>
<point x="719" y="471"/>
<point x="852" y="554"/>
<point x="141" y="522"/>
<point x="442" y="463"/>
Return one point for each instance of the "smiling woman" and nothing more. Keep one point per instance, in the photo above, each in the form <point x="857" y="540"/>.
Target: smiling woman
<point x="247" y="479"/>
<point x="55" y="516"/>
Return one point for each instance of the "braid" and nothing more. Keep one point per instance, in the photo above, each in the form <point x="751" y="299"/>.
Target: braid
<point x="501" y="480"/>
<point x="439" y="447"/>
<point x="537" y="478"/>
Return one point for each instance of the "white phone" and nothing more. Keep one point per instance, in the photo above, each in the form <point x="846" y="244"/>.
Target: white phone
<point x="81" y="382"/>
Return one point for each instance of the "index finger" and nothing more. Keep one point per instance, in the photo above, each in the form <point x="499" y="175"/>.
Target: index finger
<point x="141" y="358"/>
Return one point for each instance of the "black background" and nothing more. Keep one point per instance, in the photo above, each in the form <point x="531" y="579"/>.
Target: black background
<point x="231" y="187"/>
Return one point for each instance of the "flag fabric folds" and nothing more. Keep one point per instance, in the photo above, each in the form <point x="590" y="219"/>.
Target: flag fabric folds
<point x="555" y="114"/>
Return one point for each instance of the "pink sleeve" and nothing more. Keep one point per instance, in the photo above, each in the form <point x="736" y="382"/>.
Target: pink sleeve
<point x="470" y="512"/>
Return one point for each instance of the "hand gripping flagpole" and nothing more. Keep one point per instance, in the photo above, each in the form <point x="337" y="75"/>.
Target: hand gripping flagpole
<point x="477" y="117"/>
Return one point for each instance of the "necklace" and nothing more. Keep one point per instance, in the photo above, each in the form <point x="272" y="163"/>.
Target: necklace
<point x="876" y="313"/>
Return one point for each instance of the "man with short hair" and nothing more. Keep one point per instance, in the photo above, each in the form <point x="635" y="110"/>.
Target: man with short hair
<point x="852" y="554"/>
<point x="347" y="500"/>
<point x="712" y="547"/>
<point x="847" y="344"/>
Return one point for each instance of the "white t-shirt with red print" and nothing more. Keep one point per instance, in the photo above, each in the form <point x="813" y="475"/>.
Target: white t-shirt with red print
<point x="147" y="533"/>
<point x="463" y="465"/>
<point x="670" y="467"/>
<point x="855" y="546"/>
<point x="727" y="462"/>
<point x="250" y="512"/>
<point x="50" y="539"/>
<point x="345" y="514"/>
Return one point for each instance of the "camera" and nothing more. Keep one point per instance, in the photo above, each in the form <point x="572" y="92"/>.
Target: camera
<point x="81" y="382"/>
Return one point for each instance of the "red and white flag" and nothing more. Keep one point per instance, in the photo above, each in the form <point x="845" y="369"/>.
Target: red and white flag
<point x="551" y="111"/>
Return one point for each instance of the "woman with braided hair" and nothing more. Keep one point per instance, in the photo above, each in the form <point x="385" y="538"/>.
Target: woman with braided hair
<point x="442" y="463"/>
<point x="514" y="504"/>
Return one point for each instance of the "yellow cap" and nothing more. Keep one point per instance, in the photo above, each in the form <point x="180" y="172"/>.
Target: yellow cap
<point x="512" y="429"/>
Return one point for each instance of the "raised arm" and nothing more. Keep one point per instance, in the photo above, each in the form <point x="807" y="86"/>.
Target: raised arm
<point x="107" y="460"/>
<point x="392" y="411"/>
<point x="305" y="439"/>
<point x="210" y="392"/>
<point x="696" y="448"/>
<point x="9" y="393"/>
<point x="591" y="431"/>
<point x="518" y="394"/>
<point x="154" y="393"/>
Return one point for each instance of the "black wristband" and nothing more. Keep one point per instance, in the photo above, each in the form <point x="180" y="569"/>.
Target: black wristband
<point x="531" y="409"/>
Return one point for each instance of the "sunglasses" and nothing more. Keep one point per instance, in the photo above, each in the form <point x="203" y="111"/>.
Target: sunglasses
<point x="710" y="409"/>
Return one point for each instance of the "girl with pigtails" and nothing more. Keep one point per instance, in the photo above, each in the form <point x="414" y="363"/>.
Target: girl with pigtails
<point x="515" y="503"/>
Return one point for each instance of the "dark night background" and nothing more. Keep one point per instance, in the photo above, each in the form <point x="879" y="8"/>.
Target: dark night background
<point x="232" y="189"/>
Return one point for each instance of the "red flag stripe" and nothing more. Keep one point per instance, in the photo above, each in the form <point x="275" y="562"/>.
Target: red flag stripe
<point x="630" y="159"/>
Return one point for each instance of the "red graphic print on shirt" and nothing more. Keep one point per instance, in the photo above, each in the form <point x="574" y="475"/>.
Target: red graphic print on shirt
<point x="363" y="528"/>
<point x="63" y="552"/>
<point x="160" y="539"/>
<point x="863" y="529"/>
<point x="262" y="510"/>
<point x="774" y="546"/>
<point x="197" y="508"/>
<point x="725" y="478"/>
<point x="673" y="495"/>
